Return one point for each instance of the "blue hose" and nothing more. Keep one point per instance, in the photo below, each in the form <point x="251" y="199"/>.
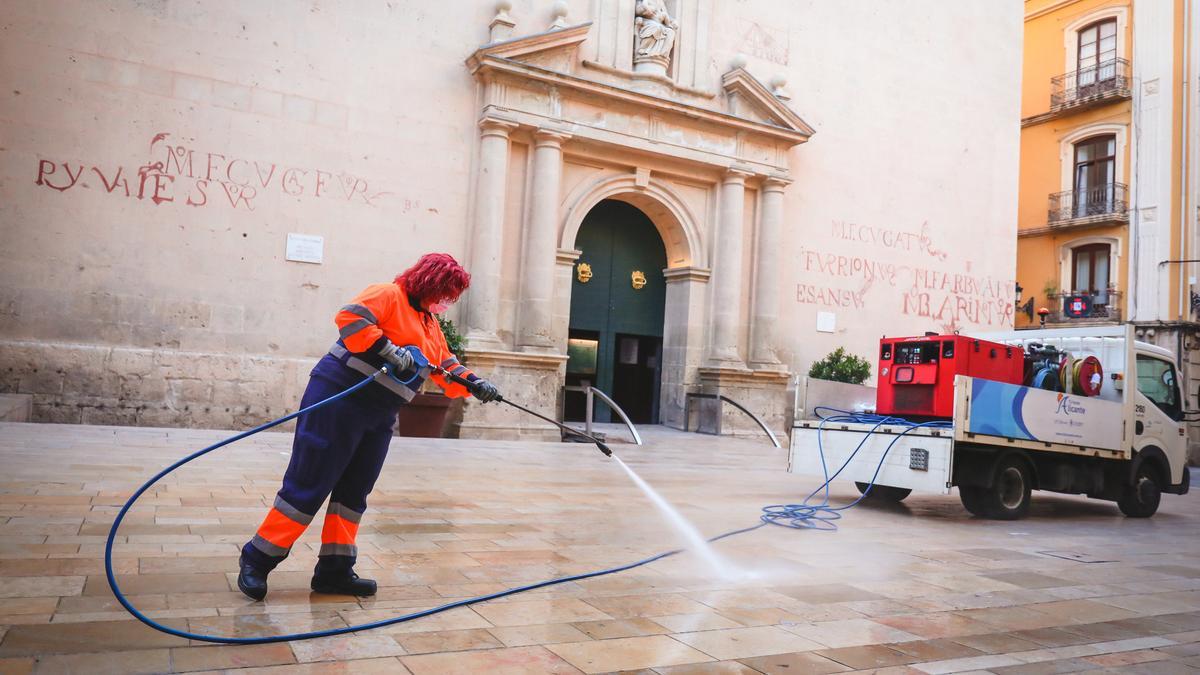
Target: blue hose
<point x="112" y="534"/>
<point x="799" y="516"/>
<point x="808" y="515"/>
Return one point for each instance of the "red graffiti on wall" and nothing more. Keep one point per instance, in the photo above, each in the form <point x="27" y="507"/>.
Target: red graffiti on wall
<point x="889" y="238"/>
<point x="951" y="298"/>
<point x="177" y="173"/>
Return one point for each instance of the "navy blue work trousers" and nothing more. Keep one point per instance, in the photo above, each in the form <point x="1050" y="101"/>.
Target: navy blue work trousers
<point x="337" y="453"/>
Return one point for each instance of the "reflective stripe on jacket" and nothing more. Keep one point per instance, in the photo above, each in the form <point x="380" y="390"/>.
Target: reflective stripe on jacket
<point x="384" y="310"/>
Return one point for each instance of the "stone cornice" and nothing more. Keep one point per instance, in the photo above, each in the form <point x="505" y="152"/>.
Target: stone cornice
<point x="648" y="77"/>
<point x="744" y="375"/>
<point x="485" y="65"/>
<point x="528" y="359"/>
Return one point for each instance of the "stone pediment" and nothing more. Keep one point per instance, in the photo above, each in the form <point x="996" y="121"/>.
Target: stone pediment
<point x="553" y="49"/>
<point x="749" y="97"/>
<point x="536" y="81"/>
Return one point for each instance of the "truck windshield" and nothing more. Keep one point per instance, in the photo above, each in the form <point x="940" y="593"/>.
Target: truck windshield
<point x="1156" y="379"/>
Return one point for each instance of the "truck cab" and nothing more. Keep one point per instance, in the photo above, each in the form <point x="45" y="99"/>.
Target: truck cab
<point x="1160" y="432"/>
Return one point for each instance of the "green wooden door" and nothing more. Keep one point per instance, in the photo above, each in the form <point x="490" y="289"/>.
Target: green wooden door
<point x="621" y="324"/>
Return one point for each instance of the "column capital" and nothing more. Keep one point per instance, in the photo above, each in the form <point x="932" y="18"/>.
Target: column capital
<point x="496" y="126"/>
<point x="736" y="175"/>
<point x="545" y="137"/>
<point x="775" y="183"/>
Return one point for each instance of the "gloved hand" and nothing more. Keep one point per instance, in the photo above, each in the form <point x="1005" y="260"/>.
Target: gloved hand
<point x="398" y="357"/>
<point x="485" y="391"/>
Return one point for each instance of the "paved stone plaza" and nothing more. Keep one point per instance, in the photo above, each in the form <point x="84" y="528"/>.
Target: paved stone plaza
<point x="920" y="587"/>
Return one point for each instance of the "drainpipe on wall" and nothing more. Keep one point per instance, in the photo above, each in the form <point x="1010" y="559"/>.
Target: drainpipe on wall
<point x="1134" y="184"/>
<point x="1185" y="273"/>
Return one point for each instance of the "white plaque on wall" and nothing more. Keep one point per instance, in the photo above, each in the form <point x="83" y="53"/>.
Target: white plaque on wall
<point x="308" y="248"/>
<point x="826" y="322"/>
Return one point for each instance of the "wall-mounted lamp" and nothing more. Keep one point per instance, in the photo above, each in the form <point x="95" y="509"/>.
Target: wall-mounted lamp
<point x="1027" y="307"/>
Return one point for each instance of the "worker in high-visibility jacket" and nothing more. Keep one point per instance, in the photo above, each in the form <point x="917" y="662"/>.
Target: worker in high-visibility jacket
<point x="338" y="450"/>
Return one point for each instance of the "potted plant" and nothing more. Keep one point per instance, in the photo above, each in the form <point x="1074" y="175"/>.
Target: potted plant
<point x="841" y="367"/>
<point x="431" y="413"/>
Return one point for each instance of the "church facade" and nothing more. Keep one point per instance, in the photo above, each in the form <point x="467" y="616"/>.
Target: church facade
<point x="658" y="198"/>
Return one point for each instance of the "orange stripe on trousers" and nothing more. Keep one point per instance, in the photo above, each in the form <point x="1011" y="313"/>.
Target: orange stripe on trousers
<point x="279" y="529"/>
<point x="338" y="530"/>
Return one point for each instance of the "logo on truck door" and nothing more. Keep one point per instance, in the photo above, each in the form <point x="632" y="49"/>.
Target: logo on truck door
<point x="1068" y="406"/>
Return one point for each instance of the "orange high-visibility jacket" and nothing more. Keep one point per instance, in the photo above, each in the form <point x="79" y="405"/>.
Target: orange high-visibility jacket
<point x="383" y="310"/>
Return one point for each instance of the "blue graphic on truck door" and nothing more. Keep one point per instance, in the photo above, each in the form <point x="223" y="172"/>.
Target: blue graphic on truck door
<point x="996" y="409"/>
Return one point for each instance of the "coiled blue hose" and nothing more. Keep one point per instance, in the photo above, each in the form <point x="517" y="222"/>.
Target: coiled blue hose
<point x="800" y="516"/>
<point x="808" y="515"/>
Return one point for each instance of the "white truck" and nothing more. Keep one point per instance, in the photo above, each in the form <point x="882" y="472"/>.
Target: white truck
<point x="1128" y="444"/>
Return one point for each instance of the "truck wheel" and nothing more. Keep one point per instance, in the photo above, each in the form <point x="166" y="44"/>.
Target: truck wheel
<point x="1141" y="499"/>
<point x="1009" y="496"/>
<point x="972" y="499"/>
<point x="883" y="492"/>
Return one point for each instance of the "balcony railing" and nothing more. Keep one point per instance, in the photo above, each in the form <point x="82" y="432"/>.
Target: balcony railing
<point x="1088" y="85"/>
<point x="1105" y="307"/>
<point x="1102" y="202"/>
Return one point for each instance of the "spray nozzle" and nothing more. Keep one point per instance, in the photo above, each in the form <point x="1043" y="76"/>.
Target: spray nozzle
<point x="469" y="385"/>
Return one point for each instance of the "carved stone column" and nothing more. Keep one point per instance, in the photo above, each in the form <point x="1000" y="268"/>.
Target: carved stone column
<point x="727" y="272"/>
<point x="536" y="313"/>
<point x="766" y="276"/>
<point x="483" y="299"/>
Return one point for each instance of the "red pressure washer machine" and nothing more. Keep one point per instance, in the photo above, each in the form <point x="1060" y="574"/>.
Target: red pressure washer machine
<point x="916" y="374"/>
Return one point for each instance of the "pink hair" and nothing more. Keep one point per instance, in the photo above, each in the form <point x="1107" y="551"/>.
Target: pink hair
<point x="436" y="276"/>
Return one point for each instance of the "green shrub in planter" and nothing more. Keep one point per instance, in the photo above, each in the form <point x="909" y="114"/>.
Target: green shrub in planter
<point x="454" y="340"/>
<point x="841" y="367"/>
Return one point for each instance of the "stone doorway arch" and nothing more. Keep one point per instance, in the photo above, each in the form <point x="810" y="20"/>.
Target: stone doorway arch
<point x="687" y="273"/>
<point x="674" y="220"/>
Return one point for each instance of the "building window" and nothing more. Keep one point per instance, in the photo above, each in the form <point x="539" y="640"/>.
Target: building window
<point x="1090" y="272"/>
<point x="1095" y="175"/>
<point x="1097" y="55"/>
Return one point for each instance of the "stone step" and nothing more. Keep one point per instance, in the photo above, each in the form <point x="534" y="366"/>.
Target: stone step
<point x="16" y="407"/>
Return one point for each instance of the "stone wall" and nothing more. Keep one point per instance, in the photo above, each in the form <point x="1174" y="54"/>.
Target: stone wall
<point x="88" y="384"/>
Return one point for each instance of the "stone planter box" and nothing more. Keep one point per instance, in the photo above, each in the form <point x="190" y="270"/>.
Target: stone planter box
<point x="427" y="416"/>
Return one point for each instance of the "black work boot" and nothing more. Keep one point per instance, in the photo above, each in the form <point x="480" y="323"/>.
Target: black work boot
<point x="251" y="580"/>
<point x="344" y="583"/>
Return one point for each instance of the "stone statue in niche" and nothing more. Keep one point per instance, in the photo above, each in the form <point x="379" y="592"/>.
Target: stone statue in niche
<point x="655" y="31"/>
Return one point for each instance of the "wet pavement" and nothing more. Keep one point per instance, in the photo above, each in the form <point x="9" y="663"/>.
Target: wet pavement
<point x="919" y="587"/>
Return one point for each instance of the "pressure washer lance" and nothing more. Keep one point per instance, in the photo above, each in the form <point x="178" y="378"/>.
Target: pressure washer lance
<point x="500" y="398"/>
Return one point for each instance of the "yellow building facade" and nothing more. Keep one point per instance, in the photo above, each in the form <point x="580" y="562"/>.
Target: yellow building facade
<point x="1107" y="213"/>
